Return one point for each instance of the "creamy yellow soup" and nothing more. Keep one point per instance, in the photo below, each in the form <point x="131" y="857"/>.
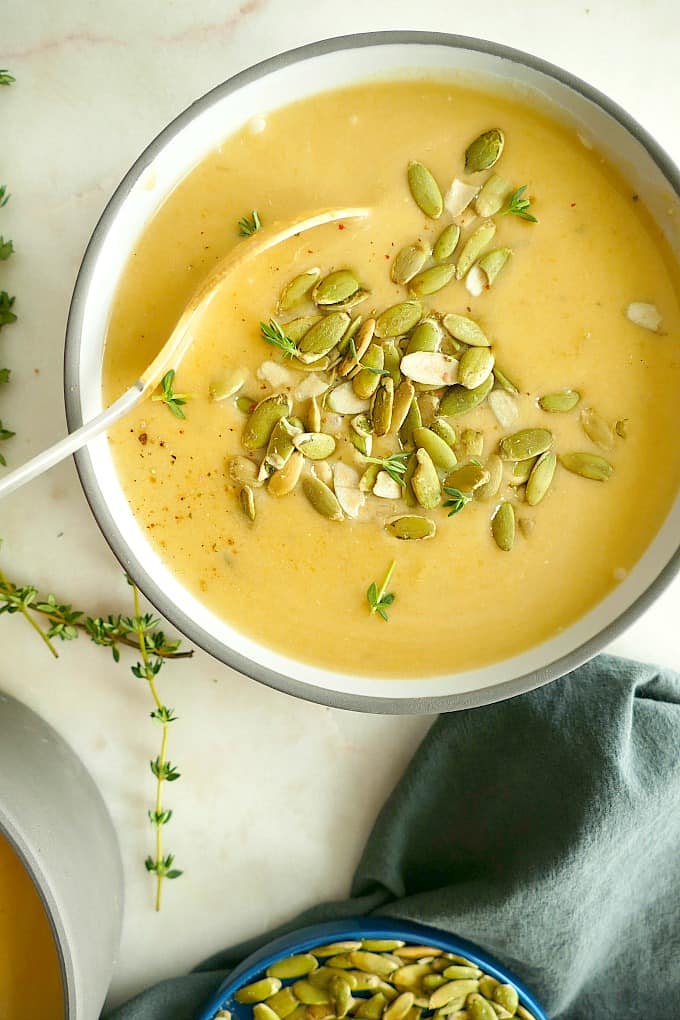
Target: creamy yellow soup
<point x="30" y="976"/>
<point x="555" y="317"/>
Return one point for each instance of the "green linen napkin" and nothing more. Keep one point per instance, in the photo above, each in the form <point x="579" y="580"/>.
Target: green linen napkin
<point x="547" y="830"/>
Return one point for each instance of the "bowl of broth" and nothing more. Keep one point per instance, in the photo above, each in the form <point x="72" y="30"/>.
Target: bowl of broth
<point x="61" y="878"/>
<point x="418" y="461"/>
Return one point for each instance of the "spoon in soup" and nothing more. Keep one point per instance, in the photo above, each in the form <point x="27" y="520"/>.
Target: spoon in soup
<point x="175" y="346"/>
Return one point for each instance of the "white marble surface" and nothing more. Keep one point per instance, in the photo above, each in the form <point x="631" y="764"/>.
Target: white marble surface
<point x="277" y="796"/>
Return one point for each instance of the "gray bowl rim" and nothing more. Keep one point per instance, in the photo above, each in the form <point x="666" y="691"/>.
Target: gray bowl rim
<point x="116" y="540"/>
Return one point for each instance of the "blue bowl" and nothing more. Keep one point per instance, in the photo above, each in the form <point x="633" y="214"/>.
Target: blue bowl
<point x="305" y="939"/>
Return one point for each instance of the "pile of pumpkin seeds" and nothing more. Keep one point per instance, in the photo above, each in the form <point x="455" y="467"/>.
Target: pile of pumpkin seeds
<point x="370" y="410"/>
<point x="378" y="979"/>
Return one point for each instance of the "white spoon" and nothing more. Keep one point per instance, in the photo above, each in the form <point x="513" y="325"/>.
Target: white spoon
<point x="174" y="348"/>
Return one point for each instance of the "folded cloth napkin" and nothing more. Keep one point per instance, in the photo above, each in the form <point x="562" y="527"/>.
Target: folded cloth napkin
<point x="546" y="829"/>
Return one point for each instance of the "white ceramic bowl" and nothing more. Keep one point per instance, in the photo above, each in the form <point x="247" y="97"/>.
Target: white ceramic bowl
<point x="200" y="129"/>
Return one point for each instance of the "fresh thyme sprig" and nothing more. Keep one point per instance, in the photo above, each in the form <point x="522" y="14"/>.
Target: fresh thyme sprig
<point x="140" y="631"/>
<point x="394" y="465"/>
<point x="4" y="195"/>
<point x="174" y="401"/>
<point x="7" y="316"/>
<point x="5" y="77"/>
<point x="458" y="500"/>
<point x="379" y="599"/>
<point x="6" y="249"/>
<point x="274" y="335"/>
<point x="359" y="364"/>
<point x="249" y="225"/>
<point x="517" y="205"/>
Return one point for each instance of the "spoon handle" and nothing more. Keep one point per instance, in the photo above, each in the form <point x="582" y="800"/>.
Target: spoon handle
<point x="72" y="442"/>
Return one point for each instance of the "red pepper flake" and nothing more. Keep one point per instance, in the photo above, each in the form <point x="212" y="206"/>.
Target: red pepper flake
<point x="143" y="438"/>
<point x="387" y="257"/>
<point x="341" y="226"/>
<point x="573" y="205"/>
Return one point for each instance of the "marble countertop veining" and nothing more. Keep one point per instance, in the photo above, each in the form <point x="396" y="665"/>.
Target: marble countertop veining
<point x="277" y="796"/>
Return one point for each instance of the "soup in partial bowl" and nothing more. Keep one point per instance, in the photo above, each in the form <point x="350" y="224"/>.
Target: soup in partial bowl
<point x="417" y="460"/>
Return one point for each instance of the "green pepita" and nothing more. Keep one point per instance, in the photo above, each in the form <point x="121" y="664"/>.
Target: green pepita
<point x="295" y="292"/>
<point x="445" y="245"/>
<point x="560" y="402"/>
<point x="540" y="478"/>
<point x="521" y="471"/>
<point x="258" y="991"/>
<point x="366" y="381"/>
<point x="587" y="465"/>
<point x="504" y="382"/>
<point x="453" y="993"/>
<point x="322" y="499"/>
<point x="425" y="481"/>
<point x="337" y="948"/>
<point x="403" y="398"/>
<point x="475" y="367"/>
<point x="398" y="319"/>
<point x="506" y="996"/>
<point x="425" y="190"/>
<point x="487" y="986"/>
<point x="296" y="328"/>
<point x="373" y="963"/>
<point x="335" y="288"/>
<point x="381" y="411"/>
<point x="323" y="336"/>
<point x="474" y="246"/>
<point x="459" y="972"/>
<point x="392" y="361"/>
<point x="398" y="1009"/>
<point x="493" y="195"/>
<point x="492" y="263"/>
<point x="426" y="336"/>
<point x="459" y="401"/>
<point x="485" y="151"/>
<point x="349" y="334"/>
<point x="503" y="527"/>
<point x="241" y="471"/>
<point x="467" y="330"/>
<point x="410" y="976"/>
<point x="597" y="429"/>
<point x="467" y="477"/>
<point x="292" y="966"/>
<point x="371" y="1009"/>
<point x="472" y="442"/>
<point x="445" y="431"/>
<point x="440" y="452"/>
<point x="479" y="1009"/>
<point x="411" y="527"/>
<point x="368" y="480"/>
<point x="283" y="1003"/>
<point x="525" y="444"/>
<point x="408" y="262"/>
<point x="262" y="420"/>
<point x="247" y="500"/>
<point x="431" y="280"/>
<point x="310" y="995"/>
<point x="314" y="445"/>
<point x="228" y="384"/>
<point x="280" y="445"/>
<point x="494" y="467"/>
<point x="412" y="420"/>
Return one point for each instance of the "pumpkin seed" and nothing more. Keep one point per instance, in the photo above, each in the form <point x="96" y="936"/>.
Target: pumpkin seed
<point x="246" y="404"/>
<point x="425" y="481"/>
<point x="430" y="367"/>
<point x="241" y="471"/>
<point x="398" y="1009"/>
<point x="415" y="953"/>
<point x="621" y="428"/>
<point x="425" y="190"/>
<point x="492" y="263"/>
<point x="296" y="328"/>
<point x="335" y="288"/>
<point x="540" y="478"/>
<point x="283" y="1003"/>
<point x="467" y="478"/>
<point x="309" y="994"/>
<point x="562" y="401"/>
<point x="341" y="994"/>
<point x="315" y="1011"/>
<point x="350" y="302"/>
<point x="504" y="407"/>
<point x="262" y="420"/>
<point x="323" y="336"/>
<point x="431" y="280"/>
<point x="485" y="151"/>
<point x="506" y="996"/>
<point x="494" y="467"/>
<point x="459" y="401"/>
<point x="487" y="986"/>
<point x="587" y="465"/>
<point x="408" y="262"/>
<point x="412" y="420"/>
<point x="503" y="527"/>
<point x="295" y="292"/>
<point x="525" y="444"/>
<point x="314" y="445"/>
<point x="440" y="452"/>
<point x="428" y="403"/>
<point x="313" y="415"/>
<point x="284" y="481"/>
<point x="343" y="400"/>
<point x="247" y="499"/>
<point x="521" y="471"/>
<point x="475" y="367"/>
<point x="292" y="966"/>
<point x="337" y="948"/>
<point x="366" y="382"/>
<point x="398" y="319"/>
<point x="381" y="411"/>
<point x="432" y="981"/>
<point x="261" y="1011"/>
<point x="361" y="982"/>
<point x="258" y="991"/>
<point x="505" y="383"/>
<point x="280" y="445"/>
<point x="392" y="361"/>
<point x="597" y="429"/>
<point x="362" y="342"/>
<point x="524" y="1014"/>
<point x="442" y="428"/>
<point x="386" y="487"/>
<point x="425" y="337"/>
<point x="453" y="993"/>
<point x="323" y="500"/>
<point x="371" y="1009"/>
<point x="467" y="330"/>
<point x="403" y="398"/>
<point x="459" y="972"/>
<point x="477" y="1006"/>
<point x="349" y="334"/>
<point x="411" y="527"/>
<point x="411" y="975"/>
<point x="373" y="963"/>
<point x="366" y="483"/>
<point x="472" y="442"/>
<point x="491" y="199"/>
<point x="228" y="384"/>
<point x="445" y="245"/>
<point x="474" y="246"/>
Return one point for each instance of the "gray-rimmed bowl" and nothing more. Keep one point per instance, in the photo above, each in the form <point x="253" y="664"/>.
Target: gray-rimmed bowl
<point x="267" y="86"/>
<point x="54" y="817"/>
